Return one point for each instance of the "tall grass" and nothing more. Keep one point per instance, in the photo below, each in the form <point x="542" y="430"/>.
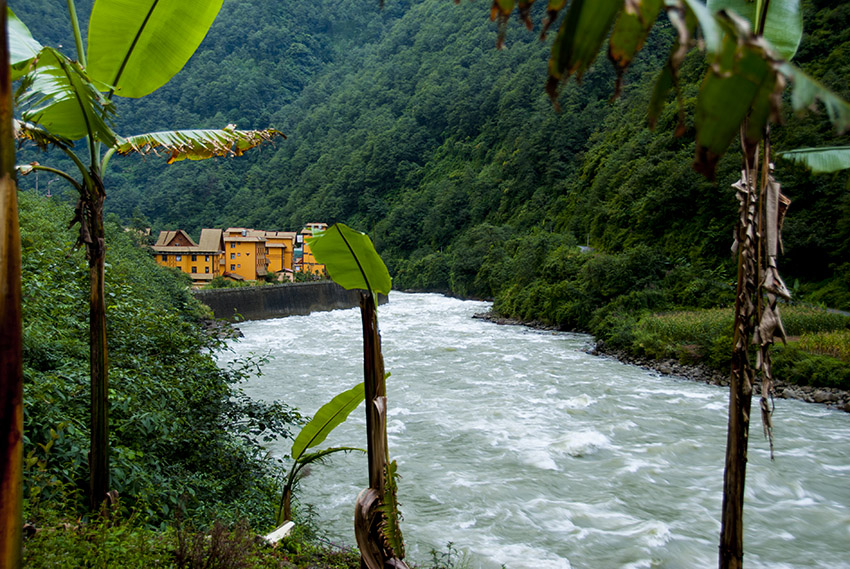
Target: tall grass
<point x="706" y="335"/>
<point x="835" y="344"/>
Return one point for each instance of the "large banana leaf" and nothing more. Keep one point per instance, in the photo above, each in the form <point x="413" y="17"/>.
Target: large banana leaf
<point x="196" y="144"/>
<point x="806" y="91"/>
<point x="584" y="28"/>
<point x="326" y="419"/>
<point x="61" y="99"/>
<point x="136" y="46"/>
<point x="738" y="84"/>
<point x="42" y="138"/>
<point x="711" y="32"/>
<point x="631" y="30"/>
<point x="821" y="160"/>
<point x="351" y="259"/>
<point x="783" y="22"/>
<point x="22" y="46"/>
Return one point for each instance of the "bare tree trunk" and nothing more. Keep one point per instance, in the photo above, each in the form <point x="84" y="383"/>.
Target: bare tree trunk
<point x="99" y="360"/>
<point x="11" y="370"/>
<point x="741" y="381"/>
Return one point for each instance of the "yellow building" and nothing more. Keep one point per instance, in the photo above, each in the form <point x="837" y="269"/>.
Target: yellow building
<point x="280" y="248"/>
<point x="305" y="262"/>
<point x="239" y="253"/>
<point x="244" y="253"/>
<point x="202" y="261"/>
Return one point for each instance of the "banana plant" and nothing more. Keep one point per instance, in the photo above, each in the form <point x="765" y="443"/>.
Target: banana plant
<point x="134" y="47"/>
<point x="327" y="418"/>
<point x="11" y="370"/>
<point x="352" y="262"/>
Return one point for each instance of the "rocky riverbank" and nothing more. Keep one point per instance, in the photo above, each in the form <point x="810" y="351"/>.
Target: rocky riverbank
<point x="832" y="397"/>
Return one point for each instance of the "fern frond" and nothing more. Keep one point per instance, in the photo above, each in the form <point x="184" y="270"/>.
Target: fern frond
<point x="390" y="513"/>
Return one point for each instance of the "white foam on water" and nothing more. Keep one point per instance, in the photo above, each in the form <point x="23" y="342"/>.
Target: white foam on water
<point x="581" y="443"/>
<point x="539" y="458"/>
<point x="582" y="401"/>
<point x="525" y="556"/>
<point x="395" y="427"/>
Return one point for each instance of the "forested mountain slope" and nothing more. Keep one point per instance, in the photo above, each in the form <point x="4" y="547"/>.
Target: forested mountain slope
<point x="409" y="124"/>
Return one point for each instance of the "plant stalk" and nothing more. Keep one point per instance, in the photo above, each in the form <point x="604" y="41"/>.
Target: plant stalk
<point x="11" y="367"/>
<point x="78" y="36"/>
<point x="741" y="376"/>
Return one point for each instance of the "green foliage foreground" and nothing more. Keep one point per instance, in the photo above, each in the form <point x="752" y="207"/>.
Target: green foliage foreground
<point x="184" y="437"/>
<point x="123" y="544"/>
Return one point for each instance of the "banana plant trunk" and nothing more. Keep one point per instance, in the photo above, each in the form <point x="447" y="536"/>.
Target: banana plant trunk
<point x="376" y="390"/>
<point x="368" y="517"/>
<point x="742" y="374"/>
<point x="11" y="370"/>
<point x="93" y="234"/>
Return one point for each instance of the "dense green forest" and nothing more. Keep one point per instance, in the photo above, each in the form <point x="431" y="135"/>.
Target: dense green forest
<point x="409" y="124"/>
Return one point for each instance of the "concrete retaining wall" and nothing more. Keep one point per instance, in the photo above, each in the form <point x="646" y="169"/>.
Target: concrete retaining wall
<point x="276" y="301"/>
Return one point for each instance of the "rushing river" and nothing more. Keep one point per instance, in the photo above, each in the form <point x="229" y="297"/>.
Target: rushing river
<point x="524" y="451"/>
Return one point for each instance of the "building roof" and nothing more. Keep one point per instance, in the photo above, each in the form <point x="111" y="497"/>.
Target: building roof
<point x="310" y="227"/>
<point x="178" y="250"/>
<point x="178" y="238"/>
<point x="280" y="234"/>
<point x="242" y="234"/>
<point x="202" y="276"/>
<point x="211" y="240"/>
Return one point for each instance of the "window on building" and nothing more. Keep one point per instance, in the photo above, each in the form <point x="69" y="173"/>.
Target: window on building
<point x="233" y="244"/>
<point x="238" y="266"/>
<point x="165" y="257"/>
<point x="207" y="258"/>
<point x="194" y="269"/>
<point x="206" y="269"/>
<point x="232" y="267"/>
<point x="233" y="255"/>
<point x="178" y="258"/>
<point x="194" y="258"/>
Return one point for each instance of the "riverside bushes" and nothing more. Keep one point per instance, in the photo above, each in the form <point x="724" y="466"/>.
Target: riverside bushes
<point x="818" y="352"/>
<point x="183" y="436"/>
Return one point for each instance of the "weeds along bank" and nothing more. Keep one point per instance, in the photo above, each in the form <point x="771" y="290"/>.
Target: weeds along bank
<point x="813" y="366"/>
<point x="183" y="436"/>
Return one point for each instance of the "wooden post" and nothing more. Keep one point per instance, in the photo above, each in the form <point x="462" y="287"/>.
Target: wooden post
<point x="11" y="367"/>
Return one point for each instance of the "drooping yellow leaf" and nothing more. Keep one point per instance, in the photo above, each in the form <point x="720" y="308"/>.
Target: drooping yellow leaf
<point x="197" y="144"/>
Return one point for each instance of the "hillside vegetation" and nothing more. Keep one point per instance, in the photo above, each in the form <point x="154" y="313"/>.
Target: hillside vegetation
<point x="408" y="123"/>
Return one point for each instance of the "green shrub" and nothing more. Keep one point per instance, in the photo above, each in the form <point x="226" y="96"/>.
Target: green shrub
<point x="795" y="365"/>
